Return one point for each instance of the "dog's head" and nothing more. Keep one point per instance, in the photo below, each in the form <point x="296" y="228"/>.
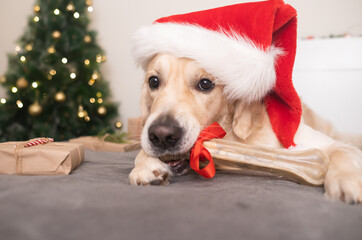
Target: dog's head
<point x="179" y="99"/>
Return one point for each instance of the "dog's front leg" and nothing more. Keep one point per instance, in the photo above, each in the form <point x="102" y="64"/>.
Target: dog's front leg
<point x="149" y="171"/>
<point x="344" y="176"/>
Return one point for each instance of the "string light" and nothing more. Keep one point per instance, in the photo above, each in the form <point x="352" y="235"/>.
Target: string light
<point x="91" y="82"/>
<point x="86" y="62"/>
<point x="56" y="11"/>
<point x="64" y="60"/>
<point x="90" y="9"/>
<point x="20" y="104"/>
<point x="23" y="58"/>
<point x="34" y="84"/>
<point x="36" y="19"/>
<point x="29" y="47"/>
<point x="17" y="48"/>
<point x="70" y="7"/>
<point x="92" y="100"/>
<point x="51" y="50"/>
<point x="73" y="75"/>
<point x="100" y="100"/>
<point x="14" y="89"/>
<point x="52" y="72"/>
<point x="76" y="15"/>
<point x="87" y="118"/>
<point x="99" y="58"/>
<point x="56" y="34"/>
<point x="118" y="124"/>
<point x="36" y="8"/>
<point x="81" y="114"/>
<point x="3" y="100"/>
<point x="99" y="94"/>
<point x="87" y="39"/>
<point x="95" y="75"/>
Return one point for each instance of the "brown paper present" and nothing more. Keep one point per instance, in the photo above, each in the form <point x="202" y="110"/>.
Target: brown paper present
<point x="99" y="144"/>
<point x="48" y="159"/>
<point x="134" y="130"/>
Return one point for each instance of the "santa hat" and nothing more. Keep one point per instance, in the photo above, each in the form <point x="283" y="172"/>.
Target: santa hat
<point x="250" y="48"/>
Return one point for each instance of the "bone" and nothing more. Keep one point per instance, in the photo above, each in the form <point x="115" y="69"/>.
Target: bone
<point x="303" y="166"/>
<point x="307" y="167"/>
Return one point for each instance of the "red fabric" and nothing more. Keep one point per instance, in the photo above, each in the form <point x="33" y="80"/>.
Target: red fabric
<point x="200" y="153"/>
<point x="283" y="104"/>
<point x="265" y="23"/>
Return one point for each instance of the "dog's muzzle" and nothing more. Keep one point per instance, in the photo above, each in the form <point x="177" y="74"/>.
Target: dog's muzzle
<point x="164" y="134"/>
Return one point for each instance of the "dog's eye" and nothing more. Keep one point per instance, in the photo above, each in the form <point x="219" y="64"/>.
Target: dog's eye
<point x="153" y="82"/>
<point x="205" y="85"/>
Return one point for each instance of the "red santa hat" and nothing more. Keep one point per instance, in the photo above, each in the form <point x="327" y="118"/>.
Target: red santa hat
<point x="249" y="47"/>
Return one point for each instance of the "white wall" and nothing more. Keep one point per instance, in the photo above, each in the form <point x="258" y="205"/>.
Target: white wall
<point x="328" y="77"/>
<point x="116" y="20"/>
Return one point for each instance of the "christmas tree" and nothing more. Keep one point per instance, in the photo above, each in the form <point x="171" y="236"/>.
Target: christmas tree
<point x="53" y="82"/>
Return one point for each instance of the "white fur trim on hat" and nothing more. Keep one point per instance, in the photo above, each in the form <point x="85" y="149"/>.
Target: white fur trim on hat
<point x="247" y="71"/>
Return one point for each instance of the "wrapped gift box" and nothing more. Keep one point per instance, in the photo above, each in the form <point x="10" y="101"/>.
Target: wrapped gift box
<point x="99" y="144"/>
<point x="135" y="126"/>
<point x="54" y="158"/>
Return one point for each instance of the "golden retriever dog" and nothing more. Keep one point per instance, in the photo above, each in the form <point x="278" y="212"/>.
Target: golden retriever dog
<point x="179" y="99"/>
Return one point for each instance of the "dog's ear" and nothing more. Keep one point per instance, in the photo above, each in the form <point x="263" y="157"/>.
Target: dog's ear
<point x="145" y="104"/>
<point x="242" y="120"/>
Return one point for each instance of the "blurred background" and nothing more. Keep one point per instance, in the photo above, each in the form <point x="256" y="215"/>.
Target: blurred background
<point x="328" y="69"/>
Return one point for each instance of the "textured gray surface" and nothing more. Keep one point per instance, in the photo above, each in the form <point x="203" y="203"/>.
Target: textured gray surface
<point x="97" y="202"/>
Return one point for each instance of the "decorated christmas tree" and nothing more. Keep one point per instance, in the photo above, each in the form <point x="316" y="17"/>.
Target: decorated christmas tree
<point x="54" y="83"/>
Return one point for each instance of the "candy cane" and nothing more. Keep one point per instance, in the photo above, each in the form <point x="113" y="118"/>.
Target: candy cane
<point x="38" y="141"/>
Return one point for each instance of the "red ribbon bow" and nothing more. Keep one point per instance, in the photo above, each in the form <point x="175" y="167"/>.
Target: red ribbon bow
<point x="200" y="153"/>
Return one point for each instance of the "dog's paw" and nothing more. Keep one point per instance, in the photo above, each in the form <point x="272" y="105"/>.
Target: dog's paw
<point x="150" y="174"/>
<point x="346" y="186"/>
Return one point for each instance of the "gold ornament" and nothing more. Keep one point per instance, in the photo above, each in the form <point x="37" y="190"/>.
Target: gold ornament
<point x="102" y="111"/>
<point x="36" y="8"/>
<point x="60" y="96"/>
<point x="118" y="124"/>
<point x="22" y="83"/>
<point x="87" y="39"/>
<point x="2" y="79"/>
<point x="35" y="109"/>
<point x="88" y="2"/>
<point x="56" y="34"/>
<point x="70" y="7"/>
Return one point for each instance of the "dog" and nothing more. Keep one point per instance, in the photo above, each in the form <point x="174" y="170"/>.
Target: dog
<point x="179" y="99"/>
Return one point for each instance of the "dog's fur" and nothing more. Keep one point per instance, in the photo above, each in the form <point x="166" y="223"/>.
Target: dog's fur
<point x="178" y="100"/>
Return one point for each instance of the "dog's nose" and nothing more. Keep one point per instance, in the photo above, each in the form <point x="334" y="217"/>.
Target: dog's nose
<point x="165" y="135"/>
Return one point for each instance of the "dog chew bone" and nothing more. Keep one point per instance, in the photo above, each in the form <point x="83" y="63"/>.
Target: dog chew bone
<point x="303" y="166"/>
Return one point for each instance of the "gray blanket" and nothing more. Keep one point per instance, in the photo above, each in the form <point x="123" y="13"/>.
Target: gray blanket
<point x="97" y="202"/>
